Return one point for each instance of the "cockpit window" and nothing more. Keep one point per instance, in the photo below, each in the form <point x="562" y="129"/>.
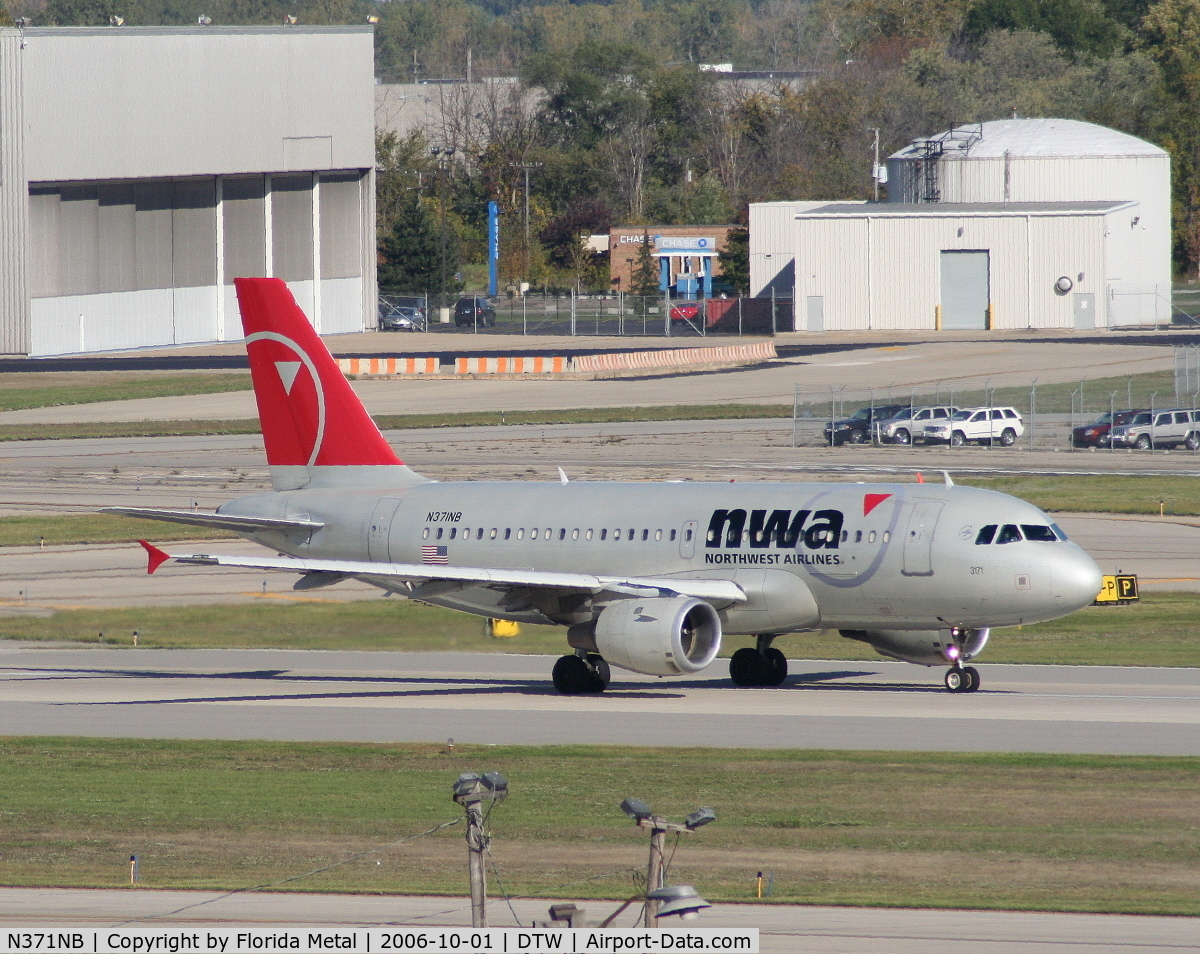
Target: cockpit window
<point x="985" y="535"/>
<point x="1058" y="531"/>
<point x="1039" y="533"/>
<point x="1009" y="534"/>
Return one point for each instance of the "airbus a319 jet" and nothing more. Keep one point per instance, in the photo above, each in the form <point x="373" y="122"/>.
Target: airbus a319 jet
<point x="645" y="576"/>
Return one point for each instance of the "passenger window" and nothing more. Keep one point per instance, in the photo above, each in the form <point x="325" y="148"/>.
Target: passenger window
<point x="1009" y="534"/>
<point x="479" y="534"/>
<point x="871" y="537"/>
<point x="588" y="535"/>
<point x="997" y="415"/>
<point x="845" y="535"/>
<point x="521" y="533"/>
<point x="981" y="416"/>
<point x="645" y="535"/>
<point x="1181" y="417"/>
<point x="986" y="534"/>
<point x="887" y="535"/>
<point x="574" y="534"/>
<point x="453" y="532"/>
<point x="1162" y="420"/>
<point x="858" y="536"/>
<point x="425" y="534"/>
<point x="604" y="534"/>
<point x="672" y="536"/>
<point x="687" y="536"/>
<point x="441" y="530"/>
<point x="533" y="534"/>
<point x="657" y="534"/>
<point x="507" y="533"/>
<point x="941" y="412"/>
<point x="1039" y="533"/>
<point x="492" y="535"/>
<point x="548" y="532"/>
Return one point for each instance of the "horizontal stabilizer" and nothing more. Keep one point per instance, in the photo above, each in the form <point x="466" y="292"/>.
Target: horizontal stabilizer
<point x="720" y="590"/>
<point x="218" y="521"/>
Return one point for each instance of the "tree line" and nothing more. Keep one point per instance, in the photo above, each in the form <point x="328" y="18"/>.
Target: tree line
<point x="614" y="121"/>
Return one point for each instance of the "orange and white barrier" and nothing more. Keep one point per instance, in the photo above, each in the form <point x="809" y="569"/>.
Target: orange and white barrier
<point x="389" y="365"/>
<point x="518" y="365"/>
<point x="676" y="357"/>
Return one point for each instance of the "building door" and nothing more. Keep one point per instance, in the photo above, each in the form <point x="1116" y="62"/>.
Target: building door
<point x="816" y="313"/>
<point x="1085" y="310"/>
<point x="965" y="290"/>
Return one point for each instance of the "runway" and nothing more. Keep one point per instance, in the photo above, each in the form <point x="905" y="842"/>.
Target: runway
<point x="782" y="929"/>
<point x="508" y="700"/>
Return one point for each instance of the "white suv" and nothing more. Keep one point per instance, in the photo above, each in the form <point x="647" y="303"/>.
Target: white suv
<point x="908" y="424"/>
<point x="987" y="425"/>
<point x="1168" y="428"/>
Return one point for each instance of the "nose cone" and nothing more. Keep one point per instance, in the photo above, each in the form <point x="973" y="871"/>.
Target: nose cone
<point x="1077" y="580"/>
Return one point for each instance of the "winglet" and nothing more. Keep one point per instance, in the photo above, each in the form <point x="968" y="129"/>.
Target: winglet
<point x="156" y="557"/>
<point x="562" y="476"/>
<point x="949" y="482"/>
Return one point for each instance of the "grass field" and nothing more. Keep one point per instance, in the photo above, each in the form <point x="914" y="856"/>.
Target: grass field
<point x="929" y="830"/>
<point x="94" y="528"/>
<point x="1099" y="493"/>
<point x="1163" y="630"/>
<point x="20" y="391"/>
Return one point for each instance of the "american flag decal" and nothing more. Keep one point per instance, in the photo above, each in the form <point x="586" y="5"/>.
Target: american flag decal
<point x="435" y="554"/>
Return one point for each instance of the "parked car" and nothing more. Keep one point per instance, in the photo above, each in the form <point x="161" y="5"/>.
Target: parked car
<point x="908" y="424"/>
<point x="984" y="425"/>
<point x="403" y="318"/>
<point x="475" y="311"/>
<point x="1151" y="429"/>
<point x="685" y="311"/>
<point x="856" y="429"/>
<point x="1096" y="433"/>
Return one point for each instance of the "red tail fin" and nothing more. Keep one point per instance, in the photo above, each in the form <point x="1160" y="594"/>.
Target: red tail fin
<point x="310" y="415"/>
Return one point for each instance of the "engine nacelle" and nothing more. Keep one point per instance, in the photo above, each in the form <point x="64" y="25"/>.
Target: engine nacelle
<point x="660" y="636"/>
<point x="925" y="647"/>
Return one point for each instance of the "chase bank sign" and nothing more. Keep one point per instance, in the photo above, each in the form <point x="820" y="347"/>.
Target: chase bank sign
<point x="695" y="245"/>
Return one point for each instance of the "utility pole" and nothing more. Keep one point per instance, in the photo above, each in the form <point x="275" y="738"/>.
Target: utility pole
<point x="443" y="155"/>
<point x="655" y="872"/>
<point x="471" y="791"/>
<point x="526" y="166"/>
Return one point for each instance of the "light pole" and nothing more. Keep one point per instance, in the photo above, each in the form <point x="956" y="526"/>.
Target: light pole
<point x="656" y="891"/>
<point x="443" y="155"/>
<point x="471" y="791"/>
<point x="526" y="166"/>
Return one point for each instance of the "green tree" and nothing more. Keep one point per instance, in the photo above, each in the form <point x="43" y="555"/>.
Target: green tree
<point x="645" y="273"/>
<point x="734" y="260"/>
<point x="411" y="253"/>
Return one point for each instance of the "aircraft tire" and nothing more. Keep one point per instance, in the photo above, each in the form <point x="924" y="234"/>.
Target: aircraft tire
<point x="572" y="676"/>
<point x="778" y="667"/>
<point x="972" y="675"/>
<point x="744" y="667"/>
<point x="601" y="672"/>
<point x="955" y="681"/>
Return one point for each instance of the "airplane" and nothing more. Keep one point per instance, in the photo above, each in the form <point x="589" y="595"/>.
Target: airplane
<point x="645" y="576"/>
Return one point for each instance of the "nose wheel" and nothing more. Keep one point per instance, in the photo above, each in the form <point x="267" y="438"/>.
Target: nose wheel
<point x="962" y="679"/>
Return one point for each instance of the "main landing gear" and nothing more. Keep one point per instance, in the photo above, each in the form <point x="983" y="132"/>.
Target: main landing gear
<point x="762" y="666"/>
<point x="583" y="672"/>
<point x="962" y="679"/>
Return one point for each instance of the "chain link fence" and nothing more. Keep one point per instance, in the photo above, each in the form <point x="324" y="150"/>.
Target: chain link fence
<point x="619" y="315"/>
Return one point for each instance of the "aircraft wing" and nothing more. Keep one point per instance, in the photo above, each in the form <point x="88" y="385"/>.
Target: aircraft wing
<point x="217" y="520"/>
<point x="333" y="570"/>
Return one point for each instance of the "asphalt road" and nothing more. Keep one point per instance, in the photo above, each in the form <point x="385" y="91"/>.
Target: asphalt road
<point x="508" y="699"/>
<point x="783" y="929"/>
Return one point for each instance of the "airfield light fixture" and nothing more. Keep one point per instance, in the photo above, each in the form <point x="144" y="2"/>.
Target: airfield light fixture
<point x="636" y="808"/>
<point x="473" y="787"/>
<point x="699" y="818"/>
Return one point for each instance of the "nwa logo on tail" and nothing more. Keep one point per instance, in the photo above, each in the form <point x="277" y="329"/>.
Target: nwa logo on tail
<point x="778" y="530"/>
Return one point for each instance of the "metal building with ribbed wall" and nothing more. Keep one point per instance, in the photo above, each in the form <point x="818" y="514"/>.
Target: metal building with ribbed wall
<point x="1024" y="223"/>
<point x="143" y="169"/>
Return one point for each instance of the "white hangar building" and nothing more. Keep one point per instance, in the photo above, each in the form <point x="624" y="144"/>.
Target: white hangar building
<point x="143" y="169"/>
<point x="1024" y="223"/>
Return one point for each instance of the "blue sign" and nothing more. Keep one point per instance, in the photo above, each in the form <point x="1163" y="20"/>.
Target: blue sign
<point x="493" y="248"/>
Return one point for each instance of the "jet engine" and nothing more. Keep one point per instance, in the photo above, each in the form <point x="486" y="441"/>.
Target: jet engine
<point x="937" y="647"/>
<point x="660" y="636"/>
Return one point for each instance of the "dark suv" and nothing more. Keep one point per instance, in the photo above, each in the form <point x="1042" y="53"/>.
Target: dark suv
<point x="856" y="429"/>
<point x="475" y="311"/>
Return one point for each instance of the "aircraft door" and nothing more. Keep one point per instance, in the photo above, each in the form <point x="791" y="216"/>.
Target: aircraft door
<point x="687" y="540"/>
<point x="918" y="538"/>
<point x="378" y="529"/>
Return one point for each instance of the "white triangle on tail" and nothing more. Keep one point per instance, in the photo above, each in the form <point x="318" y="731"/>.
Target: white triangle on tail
<point x="287" y="373"/>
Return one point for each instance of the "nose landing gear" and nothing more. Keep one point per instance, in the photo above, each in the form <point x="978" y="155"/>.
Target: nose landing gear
<point x="962" y="679"/>
<point x="762" y="666"/>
